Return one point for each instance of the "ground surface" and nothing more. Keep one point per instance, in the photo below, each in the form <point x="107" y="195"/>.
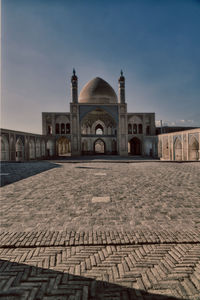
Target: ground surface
<point x="59" y="242"/>
<point x="148" y="195"/>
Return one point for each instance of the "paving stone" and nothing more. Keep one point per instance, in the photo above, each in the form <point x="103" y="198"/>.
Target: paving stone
<point x="101" y="199"/>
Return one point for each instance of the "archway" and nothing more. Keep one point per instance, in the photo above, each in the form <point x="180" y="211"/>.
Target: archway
<point x="32" y="149"/>
<point x="19" y="150"/>
<point x="165" y="152"/>
<point x="50" y="148"/>
<point x="63" y="146"/>
<point x="98" y="122"/>
<point x="43" y="152"/>
<point x="99" y="129"/>
<point x="193" y="149"/>
<point x="4" y="148"/>
<point x="135" y="146"/>
<point x="38" y="148"/>
<point x="178" y="149"/>
<point x="99" y="147"/>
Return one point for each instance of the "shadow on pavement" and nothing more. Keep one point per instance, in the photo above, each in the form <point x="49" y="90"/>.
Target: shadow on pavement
<point x="22" y="281"/>
<point x="12" y="172"/>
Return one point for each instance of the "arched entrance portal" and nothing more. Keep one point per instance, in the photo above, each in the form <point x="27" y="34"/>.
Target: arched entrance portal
<point x="135" y="146"/>
<point x="194" y="149"/>
<point x="99" y="147"/>
<point x="63" y="147"/>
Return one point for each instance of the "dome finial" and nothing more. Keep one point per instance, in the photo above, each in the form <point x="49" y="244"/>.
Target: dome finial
<point x="74" y="72"/>
<point x="121" y="73"/>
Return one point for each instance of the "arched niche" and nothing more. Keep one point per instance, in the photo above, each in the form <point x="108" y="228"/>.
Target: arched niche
<point x="177" y="149"/>
<point x="63" y="146"/>
<point x="99" y="147"/>
<point x="4" y="148"/>
<point x="19" y="150"/>
<point x="31" y="149"/>
<point x="193" y="149"/>
<point x="50" y="148"/>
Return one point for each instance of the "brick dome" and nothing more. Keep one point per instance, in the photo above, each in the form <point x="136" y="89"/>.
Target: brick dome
<point x="97" y="91"/>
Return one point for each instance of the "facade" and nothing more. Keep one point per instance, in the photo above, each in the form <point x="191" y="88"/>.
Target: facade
<point x="182" y="145"/>
<point x="98" y="123"/>
<point x="20" y="146"/>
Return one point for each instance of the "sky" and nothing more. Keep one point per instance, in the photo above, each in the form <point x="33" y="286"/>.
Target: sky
<point x="155" y="42"/>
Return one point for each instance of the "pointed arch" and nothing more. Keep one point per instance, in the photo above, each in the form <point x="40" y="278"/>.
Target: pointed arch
<point x="19" y="146"/>
<point x="193" y="149"/>
<point x="4" y="148"/>
<point x="98" y="124"/>
<point x="99" y="147"/>
<point x="99" y="129"/>
<point x="178" y="149"/>
<point x="31" y="149"/>
<point x="43" y="148"/>
<point x="38" y="148"/>
<point x="63" y="146"/>
<point x="50" y="148"/>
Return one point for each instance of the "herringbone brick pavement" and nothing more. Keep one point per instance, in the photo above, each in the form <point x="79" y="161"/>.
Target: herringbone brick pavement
<point x="151" y="271"/>
<point x="73" y="238"/>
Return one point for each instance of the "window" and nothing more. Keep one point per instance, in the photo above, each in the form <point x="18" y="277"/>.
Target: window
<point x="135" y="128"/>
<point x="57" y="128"/>
<point x="99" y="129"/>
<point x="62" y="128"/>
<point x="67" y="128"/>
<point x="140" y="128"/>
<point x="129" y="129"/>
<point x="49" y="129"/>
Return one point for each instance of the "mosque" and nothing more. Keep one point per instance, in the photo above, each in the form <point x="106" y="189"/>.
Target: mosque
<point x="98" y="124"/>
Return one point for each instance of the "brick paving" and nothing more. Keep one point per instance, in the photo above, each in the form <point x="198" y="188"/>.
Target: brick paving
<point x="101" y="272"/>
<point x="142" y="244"/>
<point x="146" y="195"/>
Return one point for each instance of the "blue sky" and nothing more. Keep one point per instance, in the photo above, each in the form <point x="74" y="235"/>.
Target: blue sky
<point x="155" y="42"/>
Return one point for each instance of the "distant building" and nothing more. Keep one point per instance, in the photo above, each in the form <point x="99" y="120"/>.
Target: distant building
<point x="180" y="145"/>
<point x="169" y="129"/>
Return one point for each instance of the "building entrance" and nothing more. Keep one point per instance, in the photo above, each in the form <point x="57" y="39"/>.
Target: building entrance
<point x="135" y="146"/>
<point x="63" y="147"/>
<point x="99" y="147"/>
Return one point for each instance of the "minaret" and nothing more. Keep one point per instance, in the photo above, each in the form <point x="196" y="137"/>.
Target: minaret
<point x="74" y="87"/>
<point x="121" y="85"/>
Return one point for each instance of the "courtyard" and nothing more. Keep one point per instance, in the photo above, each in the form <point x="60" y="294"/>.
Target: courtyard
<point x="100" y="230"/>
<point x="143" y="195"/>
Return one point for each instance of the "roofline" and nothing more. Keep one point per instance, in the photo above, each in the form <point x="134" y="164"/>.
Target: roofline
<point x="22" y="132"/>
